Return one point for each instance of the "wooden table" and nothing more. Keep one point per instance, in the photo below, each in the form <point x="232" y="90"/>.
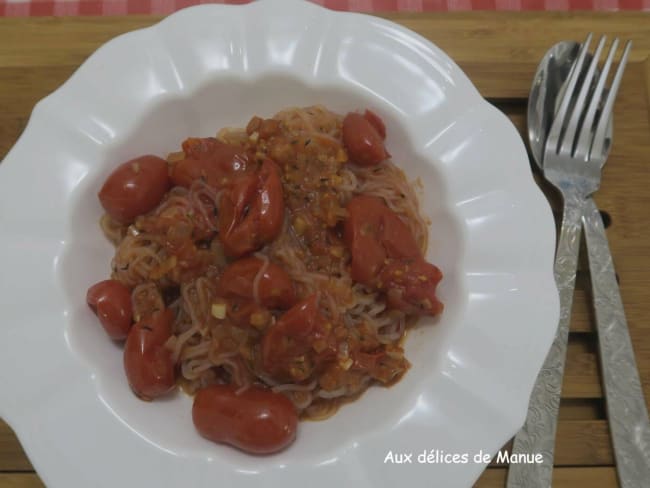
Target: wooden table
<point x="499" y="52"/>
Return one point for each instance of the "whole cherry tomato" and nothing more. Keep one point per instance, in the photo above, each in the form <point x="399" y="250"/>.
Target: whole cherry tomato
<point x="135" y="188"/>
<point x="210" y="159"/>
<point x="376" y="122"/>
<point x="270" y="201"/>
<point x="363" y="141"/>
<point x="148" y="363"/>
<point x="111" y="301"/>
<point x="256" y="420"/>
<point x="373" y="232"/>
<point x="386" y="256"/>
<point x="251" y="211"/>
<point x="275" y="289"/>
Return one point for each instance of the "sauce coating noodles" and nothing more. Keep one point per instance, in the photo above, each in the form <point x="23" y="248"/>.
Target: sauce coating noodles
<point x="290" y="254"/>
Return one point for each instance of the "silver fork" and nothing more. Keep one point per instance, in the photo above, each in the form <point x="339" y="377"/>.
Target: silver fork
<point x="575" y="152"/>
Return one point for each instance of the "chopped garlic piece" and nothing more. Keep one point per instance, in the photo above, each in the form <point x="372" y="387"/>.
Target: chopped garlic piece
<point x="341" y="156"/>
<point x="299" y="225"/>
<point x="219" y="310"/>
<point x="319" y="345"/>
<point x="175" y="156"/>
<point x="336" y="251"/>
<point x="259" y="319"/>
<point x="346" y="364"/>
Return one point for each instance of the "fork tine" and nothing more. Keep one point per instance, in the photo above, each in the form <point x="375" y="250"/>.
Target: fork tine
<point x="599" y="137"/>
<point x="586" y="133"/>
<point x="568" y="140"/>
<point x="553" y="139"/>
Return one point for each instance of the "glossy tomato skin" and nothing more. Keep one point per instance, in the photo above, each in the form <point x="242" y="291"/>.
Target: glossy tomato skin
<point x="209" y="159"/>
<point x="376" y="122"/>
<point x="293" y="335"/>
<point x="373" y="233"/>
<point x="411" y="286"/>
<point x="251" y="211"/>
<point x="237" y="226"/>
<point x="135" y="188"/>
<point x="270" y="201"/>
<point x="386" y="256"/>
<point x="111" y="302"/>
<point x="256" y="421"/>
<point x="396" y="236"/>
<point x="363" y="141"/>
<point x="360" y="235"/>
<point x="275" y="289"/>
<point x="148" y="364"/>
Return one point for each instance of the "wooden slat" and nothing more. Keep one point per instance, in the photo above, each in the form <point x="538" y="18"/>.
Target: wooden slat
<point x="487" y="47"/>
<point x="61" y="41"/>
<point x="20" y="89"/>
<point x="581" y="376"/>
<point x="460" y="35"/>
<point x="20" y="480"/>
<point x="582" y="409"/>
<point x="591" y="477"/>
<point x="584" y="443"/>
<point x="580" y="443"/>
<point x="647" y="78"/>
<point x="582" y="314"/>
<point x="12" y="456"/>
<point x="582" y="319"/>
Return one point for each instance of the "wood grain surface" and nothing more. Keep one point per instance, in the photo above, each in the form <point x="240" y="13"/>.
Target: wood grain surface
<point x="499" y="52"/>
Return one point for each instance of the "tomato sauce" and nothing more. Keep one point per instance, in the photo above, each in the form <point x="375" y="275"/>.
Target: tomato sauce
<point x="287" y="258"/>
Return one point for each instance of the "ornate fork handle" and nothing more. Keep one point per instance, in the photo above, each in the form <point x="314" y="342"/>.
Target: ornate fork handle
<point x="626" y="407"/>
<point x="538" y="433"/>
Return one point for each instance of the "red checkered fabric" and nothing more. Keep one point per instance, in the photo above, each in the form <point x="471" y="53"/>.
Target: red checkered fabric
<point x="13" y="8"/>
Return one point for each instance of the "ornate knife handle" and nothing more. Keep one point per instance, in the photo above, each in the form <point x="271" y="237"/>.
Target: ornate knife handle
<point x="538" y="433"/>
<point x="626" y="407"/>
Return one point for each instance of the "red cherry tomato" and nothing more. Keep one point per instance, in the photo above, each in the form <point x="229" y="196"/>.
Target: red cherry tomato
<point x="251" y="211"/>
<point x="386" y="256"/>
<point x="148" y="363"/>
<point x="293" y="335"/>
<point x="111" y="301"/>
<point x="275" y="289"/>
<point x="373" y="233"/>
<point x="135" y="188"/>
<point x="395" y="235"/>
<point x="363" y="141"/>
<point x="208" y="158"/>
<point x="257" y="420"/>
<point x="270" y="201"/>
<point x="376" y="122"/>
<point x="411" y="286"/>
<point x="361" y="236"/>
<point x="380" y="365"/>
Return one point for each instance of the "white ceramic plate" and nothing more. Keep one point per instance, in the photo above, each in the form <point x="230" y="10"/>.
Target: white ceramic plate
<point x="63" y="389"/>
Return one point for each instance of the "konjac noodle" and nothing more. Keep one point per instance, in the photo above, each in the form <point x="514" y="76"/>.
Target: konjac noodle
<point x="274" y="266"/>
